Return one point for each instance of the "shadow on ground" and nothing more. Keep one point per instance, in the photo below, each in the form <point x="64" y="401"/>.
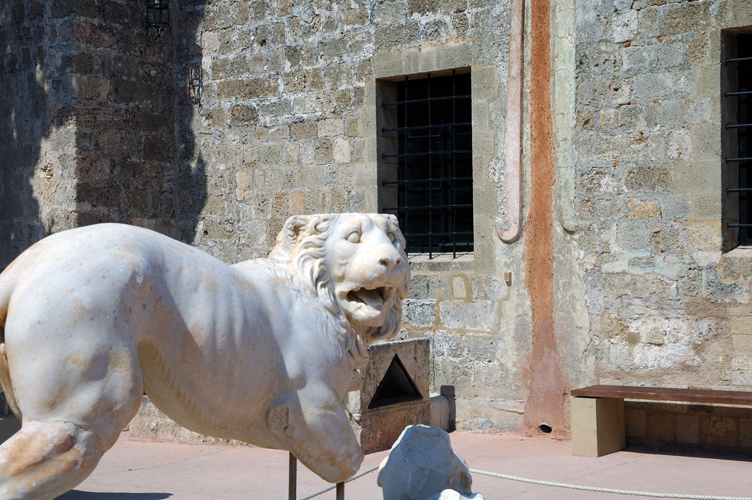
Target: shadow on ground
<point x="88" y="495"/>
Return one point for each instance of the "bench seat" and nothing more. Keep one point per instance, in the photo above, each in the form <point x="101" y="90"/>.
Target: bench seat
<point x="597" y="412"/>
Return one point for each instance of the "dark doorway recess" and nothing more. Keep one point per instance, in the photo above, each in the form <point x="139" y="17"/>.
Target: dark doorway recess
<point x="395" y="387"/>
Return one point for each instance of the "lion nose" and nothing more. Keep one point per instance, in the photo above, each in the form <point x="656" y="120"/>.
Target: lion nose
<point x="390" y="262"/>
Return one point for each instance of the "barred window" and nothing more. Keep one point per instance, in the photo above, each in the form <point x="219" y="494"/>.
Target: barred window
<point x="738" y="128"/>
<point x="428" y="126"/>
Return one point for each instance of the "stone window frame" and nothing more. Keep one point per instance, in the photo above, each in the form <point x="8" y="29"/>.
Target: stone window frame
<point x="387" y="143"/>
<point x="438" y="60"/>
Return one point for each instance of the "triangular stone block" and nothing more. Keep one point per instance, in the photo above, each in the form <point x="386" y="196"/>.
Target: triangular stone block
<point x="396" y="387"/>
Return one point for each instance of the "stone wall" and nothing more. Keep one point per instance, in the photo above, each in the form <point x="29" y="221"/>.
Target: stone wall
<point x="682" y="427"/>
<point x="95" y="120"/>
<point x="666" y="306"/>
<point x="37" y="170"/>
<point x="249" y="112"/>
<point x="137" y="160"/>
<point x="290" y="120"/>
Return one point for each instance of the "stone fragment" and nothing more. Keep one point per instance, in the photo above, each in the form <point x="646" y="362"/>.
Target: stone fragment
<point x="453" y="495"/>
<point x="422" y="464"/>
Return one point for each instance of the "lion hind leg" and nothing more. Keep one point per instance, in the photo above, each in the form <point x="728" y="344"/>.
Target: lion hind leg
<point x="46" y="459"/>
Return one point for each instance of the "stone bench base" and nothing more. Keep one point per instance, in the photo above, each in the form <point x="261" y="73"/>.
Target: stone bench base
<point x="597" y="426"/>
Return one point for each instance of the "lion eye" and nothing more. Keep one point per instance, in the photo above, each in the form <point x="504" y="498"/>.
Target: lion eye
<point x="353" y="237"/>
<point x="392" y="237"/>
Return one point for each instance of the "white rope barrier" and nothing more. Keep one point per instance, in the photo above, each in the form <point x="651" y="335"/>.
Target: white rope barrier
<point x="603" y="490"/>
<point x="330" y="488"/>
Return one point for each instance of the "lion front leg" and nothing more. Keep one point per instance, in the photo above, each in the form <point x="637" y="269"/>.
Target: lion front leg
<point x="320" y="436"/>
<point x="46" y="459"/>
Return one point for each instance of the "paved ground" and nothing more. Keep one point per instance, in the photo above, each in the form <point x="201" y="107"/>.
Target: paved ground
<point x="155" y="471"/>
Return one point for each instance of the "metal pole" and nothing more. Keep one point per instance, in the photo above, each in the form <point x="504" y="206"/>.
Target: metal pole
<point x="341" y="491"/>
<point x="292" y="485"/>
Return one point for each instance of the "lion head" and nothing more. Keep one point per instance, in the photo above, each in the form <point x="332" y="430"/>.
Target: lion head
<point x="354" y="263"/>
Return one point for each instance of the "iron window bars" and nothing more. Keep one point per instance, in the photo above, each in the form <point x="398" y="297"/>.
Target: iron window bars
<point x="744" y="157"/>
<point x="434" y="169"/>
<point x="158" y="16"/>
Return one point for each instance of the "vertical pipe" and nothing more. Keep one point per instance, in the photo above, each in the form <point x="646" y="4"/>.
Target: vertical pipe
<point x="340" y="491"/>
<point x="292" y="484"/>
<point x="513" y="138"/>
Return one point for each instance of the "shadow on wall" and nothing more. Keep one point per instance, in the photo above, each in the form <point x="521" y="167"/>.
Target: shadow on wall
<point x="25" y="120"/>
<point x="95" y="120"/>
<point x="136" y="95"/>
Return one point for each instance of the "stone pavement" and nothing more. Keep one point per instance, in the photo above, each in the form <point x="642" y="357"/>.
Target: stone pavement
<point x="154" y="471"/>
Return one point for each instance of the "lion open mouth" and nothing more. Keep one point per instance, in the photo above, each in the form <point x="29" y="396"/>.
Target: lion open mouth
<point x="374" y="297"/>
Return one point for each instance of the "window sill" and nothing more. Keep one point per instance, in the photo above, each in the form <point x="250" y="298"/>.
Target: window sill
<point x="441" y="261"/>
<point x="740" y="252"/>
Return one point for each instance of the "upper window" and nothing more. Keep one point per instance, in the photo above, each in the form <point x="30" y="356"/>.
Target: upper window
<point x="426" y="132"/>
<point x="738" y="128"/>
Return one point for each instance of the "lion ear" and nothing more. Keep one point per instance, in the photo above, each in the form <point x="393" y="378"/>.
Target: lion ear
<point x="295" y="228"/>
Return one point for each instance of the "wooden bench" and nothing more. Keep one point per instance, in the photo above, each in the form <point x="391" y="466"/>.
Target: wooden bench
<point x="597" y="412"/>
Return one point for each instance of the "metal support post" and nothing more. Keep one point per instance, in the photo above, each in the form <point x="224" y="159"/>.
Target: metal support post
<point x="341" y="491"/>
<point x="292" y="487"/>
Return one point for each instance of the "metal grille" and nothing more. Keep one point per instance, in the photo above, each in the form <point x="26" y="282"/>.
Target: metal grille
<point x="743" y="158"/>
<point x="434" y="172"/>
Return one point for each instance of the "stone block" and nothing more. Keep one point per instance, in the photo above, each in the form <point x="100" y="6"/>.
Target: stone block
<point x="741" y="370"/>
<point x="741" y="325"/>
<point x="341" y="151"/>
<point x="380" y="426"/>
<point x="635" y="423"/>
<point x="643" y="209"/>
<point x="688" y="429"/>
<point x="158" y="148"/>
<point x="597" y="426"/>
<point x="244" y="180"/>
<point x="422" y="7"/>
<point x="624" y="26"/>
<point x="745" y="432"/>
<point x="718" y="430"/>
<point x="649" y="178"/>
<point x="686" y="17"/>
<point x="333" y="48"/>
<point x="246" y="89"/>
<point x="390" y="37"/>
<point x="305" y="130"/>
<point x="462" y="315"/>
<point x="151" y="122"/>
<point x="387" y="64"/>
<point x="331" y="127"/>
<point x="459" y="55"/>
<point x="661" y="426"/>
<point x="96" y="89"/>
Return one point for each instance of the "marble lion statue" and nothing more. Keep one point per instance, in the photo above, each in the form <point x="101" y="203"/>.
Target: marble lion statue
<point x="264" y="351"/>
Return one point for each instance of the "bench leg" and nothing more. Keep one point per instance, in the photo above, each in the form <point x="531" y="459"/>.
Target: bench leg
<point x="597" y="426"/>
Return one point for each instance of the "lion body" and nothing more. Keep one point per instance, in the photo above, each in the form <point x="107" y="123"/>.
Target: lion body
<point x="94" y="316"/>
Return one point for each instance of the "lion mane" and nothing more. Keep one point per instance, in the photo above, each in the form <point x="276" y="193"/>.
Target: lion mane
<point x="301" y="249"/>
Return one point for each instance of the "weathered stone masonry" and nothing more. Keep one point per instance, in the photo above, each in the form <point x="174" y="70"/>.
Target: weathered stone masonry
<point x="248" y="112"/>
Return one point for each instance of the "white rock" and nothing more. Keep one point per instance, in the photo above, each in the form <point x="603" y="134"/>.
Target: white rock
<point x="263" y="351"/>
<point x="421" y="464"/>
<point x="454" y="495"/>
